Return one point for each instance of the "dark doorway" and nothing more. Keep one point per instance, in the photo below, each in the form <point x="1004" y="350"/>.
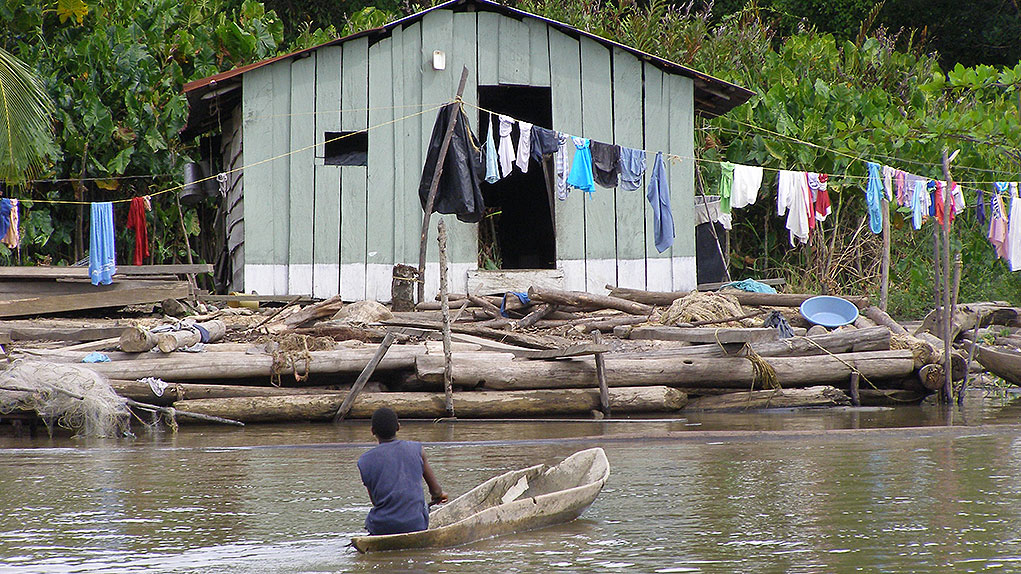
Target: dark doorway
<point x="518" y="230"/>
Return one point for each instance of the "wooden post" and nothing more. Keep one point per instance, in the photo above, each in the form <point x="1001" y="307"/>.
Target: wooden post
<point x="938" y="266"/>
<point x="434" y="186"/>
<point x="948" y="391"/>
<point x="855" y="393"/>
<point x="884" y="285"/>
<point x="958" y="264"/>
<point x="363" y="377"/>
<point x="402" y="288"/>
<point x="448" y="391"/>
<point x="604" y="390"/>
<point x="187" y="243"/>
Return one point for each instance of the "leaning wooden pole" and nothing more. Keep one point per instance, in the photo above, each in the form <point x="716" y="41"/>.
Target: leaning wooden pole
<point x="448" y="392"/>
<point x="435" y="184"/>
<point x="363" y="377"/>
<point x="948" y="390"/>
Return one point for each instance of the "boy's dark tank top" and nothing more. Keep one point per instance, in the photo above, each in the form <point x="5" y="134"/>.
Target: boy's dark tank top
<point x="392" y="472"/>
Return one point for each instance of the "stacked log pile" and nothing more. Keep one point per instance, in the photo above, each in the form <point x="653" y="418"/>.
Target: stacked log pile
<point x="527" y="355"/>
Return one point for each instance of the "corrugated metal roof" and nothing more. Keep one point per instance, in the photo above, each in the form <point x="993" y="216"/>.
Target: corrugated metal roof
<point x="713" y="96"/>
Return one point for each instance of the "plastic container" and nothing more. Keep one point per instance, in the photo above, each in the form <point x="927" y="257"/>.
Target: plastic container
<point x="829" y="311"/>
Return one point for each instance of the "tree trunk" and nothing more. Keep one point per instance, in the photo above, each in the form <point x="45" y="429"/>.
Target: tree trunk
<point x="692" y="372"/>
<point x="880" y="317"/>
<point x="476" y="404"/>
<point x="143" y="393"/>
<point x="587" y="300"/>
<point x="137" y="340"/>
<point x="663" y="299"/>
<point x="819" y="396"/>
<point x="174" y="340"/>
<point x="204" y="366"/>
<point x="839" y="341"/>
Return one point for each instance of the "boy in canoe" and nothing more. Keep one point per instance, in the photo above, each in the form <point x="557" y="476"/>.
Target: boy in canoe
<point x="392" y="473"/>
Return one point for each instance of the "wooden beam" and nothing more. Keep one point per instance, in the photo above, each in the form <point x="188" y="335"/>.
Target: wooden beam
<point x="43" y="272"/>
<point x="93" y="297"/>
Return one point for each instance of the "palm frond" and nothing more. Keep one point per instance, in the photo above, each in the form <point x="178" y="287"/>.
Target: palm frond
<point x="25" y="128"/>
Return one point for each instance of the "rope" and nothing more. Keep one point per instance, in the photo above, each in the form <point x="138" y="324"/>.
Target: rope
<point x="244" y="167"/>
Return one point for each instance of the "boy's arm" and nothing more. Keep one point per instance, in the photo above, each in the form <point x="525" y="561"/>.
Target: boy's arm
<point x="438" y="496"/>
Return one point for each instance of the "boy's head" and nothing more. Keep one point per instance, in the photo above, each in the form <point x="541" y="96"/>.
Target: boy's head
<point x="384" y="423"/>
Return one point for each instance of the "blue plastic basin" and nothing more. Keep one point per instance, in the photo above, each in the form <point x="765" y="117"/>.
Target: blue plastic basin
<point x="829" y="311"/>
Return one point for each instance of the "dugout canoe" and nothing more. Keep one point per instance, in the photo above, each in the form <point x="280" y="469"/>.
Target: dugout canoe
<point x="516" y="501"/>
<point x="1001" y="362"/>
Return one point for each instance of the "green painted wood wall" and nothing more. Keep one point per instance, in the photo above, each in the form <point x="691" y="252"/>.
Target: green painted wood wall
<point x="320" y="229"/>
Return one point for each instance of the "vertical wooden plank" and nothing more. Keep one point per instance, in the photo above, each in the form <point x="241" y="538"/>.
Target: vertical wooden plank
<point x="326" y="219"/>
<point x="488" y="48"/>
<point x="437" y="86"/>
<point x="682" y="181"/>
<point x="407" y="194"/>
<point x="463" y="238"/>
<point x="597" y="125"/>
<point x="379" y="242"/>
<point x="565" y="76"/>
<point x="657" y="138"/>
<point x="628" y="118"/>
<point x="261" y="104"/>
<point x="399" y="127"/>
<point x="513" y="52"/>
<point x="538" y="52"/>
<point x="353" y="200"/>
<point x="302" y="175"/>
<point x="326" y="225"/>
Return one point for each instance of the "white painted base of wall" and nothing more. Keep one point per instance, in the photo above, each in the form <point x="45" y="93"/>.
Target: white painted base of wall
<point x="356" y="281"/>
<point x="325" y="280"/>
<point x="299" y="279"/>
<point x="654" y="274"/>
<point x="685" y="276"/>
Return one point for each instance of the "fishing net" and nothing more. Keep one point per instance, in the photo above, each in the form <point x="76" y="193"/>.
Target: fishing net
<point x="702" y="306"/>
<point x="290" y="351"/>
<point x="64" y="395"/>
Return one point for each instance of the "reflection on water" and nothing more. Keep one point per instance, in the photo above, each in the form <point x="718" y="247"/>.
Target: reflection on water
<point x="287" y="498"/>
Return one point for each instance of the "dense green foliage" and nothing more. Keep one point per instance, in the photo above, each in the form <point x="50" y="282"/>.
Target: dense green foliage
<point x="25" y="110"/>
<point x="115" y="71"/>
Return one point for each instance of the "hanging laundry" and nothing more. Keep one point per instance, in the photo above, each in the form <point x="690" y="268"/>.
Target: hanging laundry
<point x="506" y="150"/>
<point x="524" y="145"/>
<point x="544" y="143"/>
<point x="632" y="168"/>
<point x="1014" y="233"/>
<point x="492" y="163"/>
<point x="581" y="175"/>
<point x="903" y="193"/>
<point x="562" y="165"/>
<point x="5" y="215"/>
<point x="911" y="182"/>
<point x="605" y="164"/>
<point x="938" y="203"/>
<point x="747" y="181"/>
<point x="980" y="206"/>
<point x="998" y="227"/>
<point x="726" y="185"/>
<point x="12" y="238"/>
<point x="958" y="195"/>
<point x="818" y="185"/>
<point x="659" y="198"/>
<point x="931" y="186"/>
<point x="102" y="258"/>
<point x="792" y="198"/>
<point x="873" y="197"/>
<point x="136" y="221"/>
<point x="459" y="190"/>
<point x="888" y="173"/>
<point x="920" y="203"/>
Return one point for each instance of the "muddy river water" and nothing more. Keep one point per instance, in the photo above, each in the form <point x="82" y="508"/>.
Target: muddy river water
<point x="916" y="489"/>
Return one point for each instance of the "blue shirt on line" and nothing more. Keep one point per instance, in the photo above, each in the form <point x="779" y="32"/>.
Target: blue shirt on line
<point x="392" y="472"/>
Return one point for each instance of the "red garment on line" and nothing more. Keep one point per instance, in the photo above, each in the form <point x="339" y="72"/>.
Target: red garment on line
<point x="136" y="221"/>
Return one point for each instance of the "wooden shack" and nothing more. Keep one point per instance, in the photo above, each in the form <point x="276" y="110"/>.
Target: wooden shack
<point x="306" y="217"/>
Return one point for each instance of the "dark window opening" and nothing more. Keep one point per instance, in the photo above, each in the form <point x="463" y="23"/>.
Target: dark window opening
<point x="518" y="231"/>
<point x="347" y="148"/>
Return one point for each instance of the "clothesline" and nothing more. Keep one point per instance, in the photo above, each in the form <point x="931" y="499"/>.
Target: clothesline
<point x="240" y="168"/>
